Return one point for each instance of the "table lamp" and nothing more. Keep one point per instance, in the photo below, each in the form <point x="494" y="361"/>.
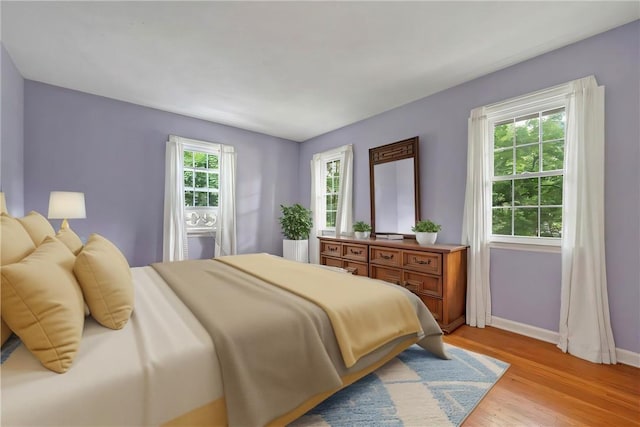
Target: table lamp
<point x="66" y="205"/>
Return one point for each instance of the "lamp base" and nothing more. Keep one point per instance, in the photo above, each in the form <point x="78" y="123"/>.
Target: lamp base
<point x="64" y="225"/>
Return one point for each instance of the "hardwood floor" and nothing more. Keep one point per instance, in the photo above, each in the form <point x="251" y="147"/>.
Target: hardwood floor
<point x="545" y="387"/>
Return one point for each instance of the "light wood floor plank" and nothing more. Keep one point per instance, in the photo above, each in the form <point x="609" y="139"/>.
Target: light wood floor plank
<point x="545" y="387"/>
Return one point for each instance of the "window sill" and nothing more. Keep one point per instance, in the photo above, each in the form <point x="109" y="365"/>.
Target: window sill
<point x="529" y="247"/>
<point x="208" y="232"/>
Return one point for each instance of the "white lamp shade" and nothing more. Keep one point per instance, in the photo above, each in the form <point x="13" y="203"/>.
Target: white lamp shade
<point x="66" y="205"/>
<point x="3" y="203"/>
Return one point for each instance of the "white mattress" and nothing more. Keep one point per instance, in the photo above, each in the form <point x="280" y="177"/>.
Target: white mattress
<point x="162" y="364"/>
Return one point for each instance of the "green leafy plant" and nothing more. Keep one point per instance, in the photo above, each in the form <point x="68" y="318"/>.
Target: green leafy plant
<point x="427" y="226"/>
<point x="296" y="222"/>
<point x="361" y="226"/>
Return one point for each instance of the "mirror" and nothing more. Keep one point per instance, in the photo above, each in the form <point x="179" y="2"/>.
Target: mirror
<point x="395" y="187"/>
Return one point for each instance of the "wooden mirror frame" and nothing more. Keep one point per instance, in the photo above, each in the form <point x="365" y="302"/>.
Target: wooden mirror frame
<point x="405" y="149"/>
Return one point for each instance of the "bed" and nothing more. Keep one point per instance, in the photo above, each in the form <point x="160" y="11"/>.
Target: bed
<point x="167" y="366"/>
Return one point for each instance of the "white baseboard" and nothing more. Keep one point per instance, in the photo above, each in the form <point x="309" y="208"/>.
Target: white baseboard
<point x="526" y="330"/>
<point x="628" y="357"/>
<point x="623" y="356"/>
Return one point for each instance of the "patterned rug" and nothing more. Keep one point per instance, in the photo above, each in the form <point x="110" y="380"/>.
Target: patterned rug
<point x="414" y="389"/>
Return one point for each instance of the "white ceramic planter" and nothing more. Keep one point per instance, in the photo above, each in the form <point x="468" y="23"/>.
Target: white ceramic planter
<point x="362" y="234"/>
<point x="296" y="250"/>
<point x="425" y="238"/>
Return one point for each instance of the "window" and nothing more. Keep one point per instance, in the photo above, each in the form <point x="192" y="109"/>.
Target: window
<point x="332" y="190"/>
<point x="524" y="145"/>
<point x="201" y="178"/>
<point x="331" y="196"/>
<point x="199" y="196"/>
<point x="332" y="193"/>
<point x="528" y="154"/>
<point x="535" y="181"/>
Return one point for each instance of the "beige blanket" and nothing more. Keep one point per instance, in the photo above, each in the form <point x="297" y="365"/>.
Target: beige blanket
<point x="276" y="350"/>
<point x="363" y="321"/>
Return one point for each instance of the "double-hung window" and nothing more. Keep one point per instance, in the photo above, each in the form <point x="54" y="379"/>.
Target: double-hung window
<point x="527" y="180"/>
<point x="201" y="177"/>
<point x="332" y="189"/>
<point x="527" y="171"/>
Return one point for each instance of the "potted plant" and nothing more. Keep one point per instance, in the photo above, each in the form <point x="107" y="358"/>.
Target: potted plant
<point x="296" y="225"/>
<point x="426" y="232"/>
<point x="362" y="230"/>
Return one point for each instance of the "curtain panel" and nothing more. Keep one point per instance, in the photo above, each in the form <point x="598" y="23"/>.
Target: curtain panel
<point x="317" y="208"/>
<point x="175" y="244"/>
<point x="226" y="238"/>
<point x="476" y="220"/>
<point x="344" y="217"/>
<point x="585" y="325"/>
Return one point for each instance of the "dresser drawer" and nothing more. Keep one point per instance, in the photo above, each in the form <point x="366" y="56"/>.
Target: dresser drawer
<point x="357" y="268"/>
<point x="422" y="283"/>
<point x="385" y="256"/>
<point x="427" y="262"/>
<point x="434" y="305"/>
<point x="390" y="275"/>
<point x="332" y="262"/>
<point x="330" y="249"/>
<point x="355" y="252"/>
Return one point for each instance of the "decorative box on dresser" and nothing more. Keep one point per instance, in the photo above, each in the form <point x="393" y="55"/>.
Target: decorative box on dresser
<point x="436" y="273"/>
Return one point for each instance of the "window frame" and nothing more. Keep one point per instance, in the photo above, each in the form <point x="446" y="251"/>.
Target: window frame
<point x="537" y="102"/>
<point x="201" y="211"/>
<point x="325" y="174"/>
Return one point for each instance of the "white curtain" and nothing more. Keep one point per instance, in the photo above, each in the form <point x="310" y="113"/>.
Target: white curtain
<point x="344" y="216"/>
<point x="175" y="244"/>
<point x="585" y="327"/>
<point x="317" y="207"/>
<point x="226" y="224"/>
<point x="475" y="222"/>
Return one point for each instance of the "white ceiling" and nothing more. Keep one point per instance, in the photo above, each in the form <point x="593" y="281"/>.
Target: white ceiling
<point x="289" y="69"/>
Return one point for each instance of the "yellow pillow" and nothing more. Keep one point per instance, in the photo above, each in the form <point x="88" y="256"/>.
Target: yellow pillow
<point x="42" y="303"/>
<point x="37" y="226"/>
<point x="70" y="239"/>
<point x="105" y="278"/>
<point x="15" y="242"/>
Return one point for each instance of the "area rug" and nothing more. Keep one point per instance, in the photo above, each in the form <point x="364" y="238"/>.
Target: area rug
<point x="414" y="389"/>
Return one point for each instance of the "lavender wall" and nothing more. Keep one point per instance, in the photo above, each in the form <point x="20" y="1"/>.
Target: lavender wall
<point x="12" y="134"/>
<point x="525" y="285"/>
<point x="115" y="153"/>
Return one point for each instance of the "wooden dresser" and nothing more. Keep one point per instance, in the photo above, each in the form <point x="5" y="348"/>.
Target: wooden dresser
<point x="436" y="273"/>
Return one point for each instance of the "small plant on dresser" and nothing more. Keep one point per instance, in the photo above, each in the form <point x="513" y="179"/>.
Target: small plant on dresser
<point x="426" y="232"/>
<point x="362" y="230"/>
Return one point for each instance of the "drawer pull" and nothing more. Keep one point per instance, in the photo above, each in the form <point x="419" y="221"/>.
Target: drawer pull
<point x="383" y="256"/>
<point x="356" y="252"/>
<point x="352" y="270"/>
<point x="419" y="261"/>
<point x="332" y="249"/>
